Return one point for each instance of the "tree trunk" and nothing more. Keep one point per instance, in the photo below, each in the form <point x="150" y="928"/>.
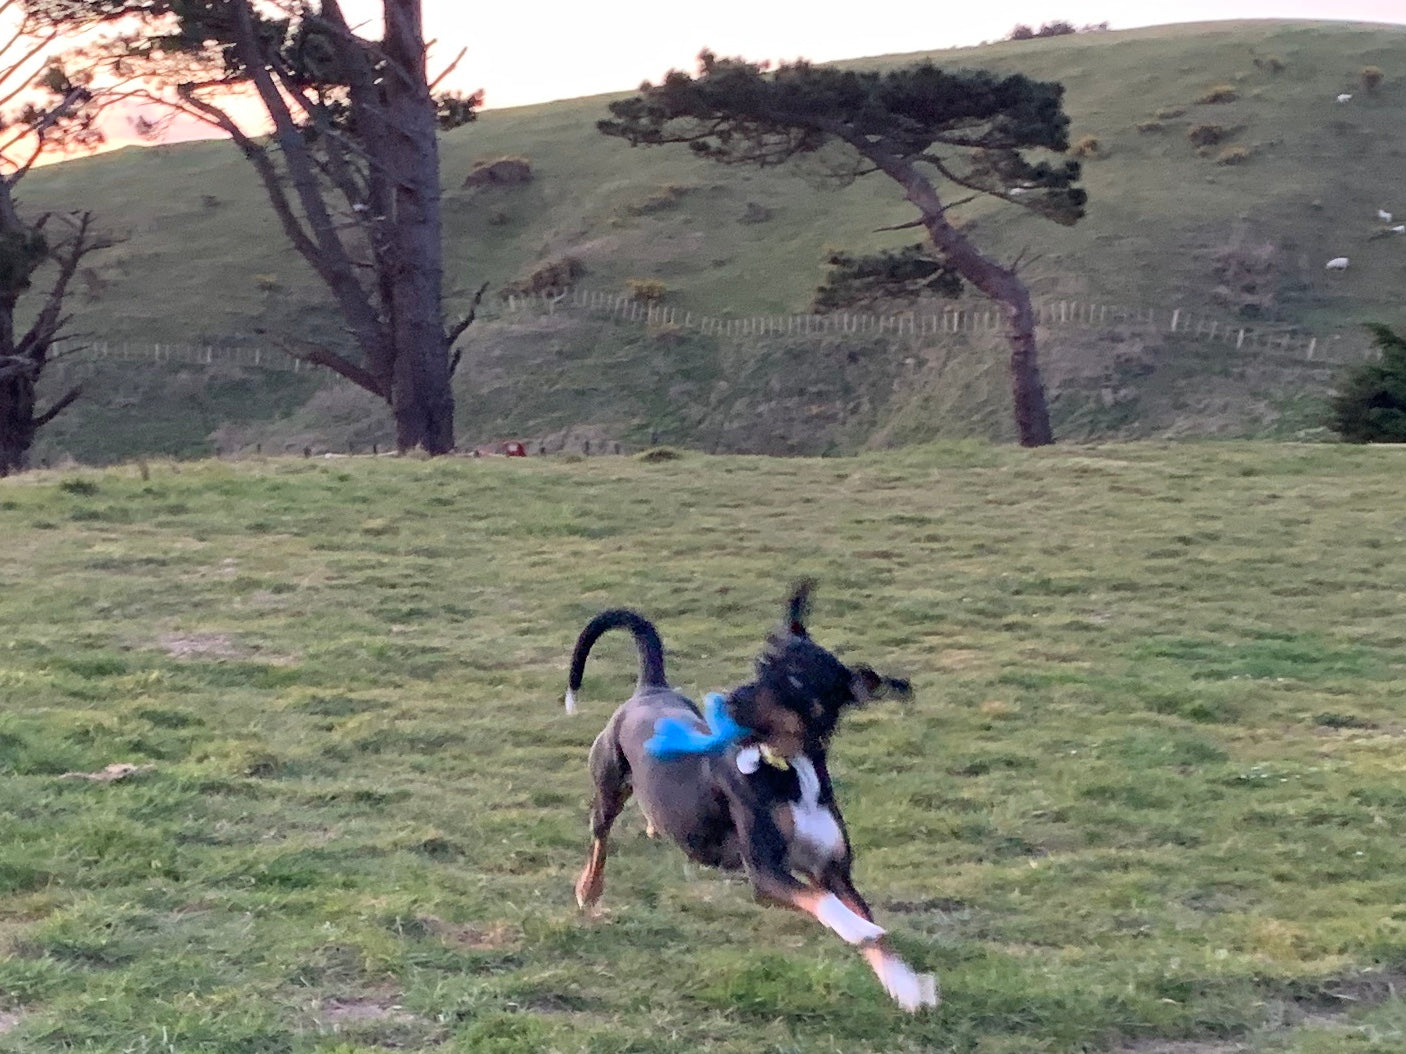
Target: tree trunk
<point x="16" y="422"/>
<point x="422" y="399"/>
<point x="1001" y="284"/>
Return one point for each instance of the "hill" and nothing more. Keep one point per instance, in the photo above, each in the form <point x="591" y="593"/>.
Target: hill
<point x="1168" y="228"/>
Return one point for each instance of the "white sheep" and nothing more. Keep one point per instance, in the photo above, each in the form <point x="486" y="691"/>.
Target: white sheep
<point x="1337" y="263"/>
<point x="1400" y="228"/>
<point x="1383" y="215"/>
<point x="1345" y="97"/>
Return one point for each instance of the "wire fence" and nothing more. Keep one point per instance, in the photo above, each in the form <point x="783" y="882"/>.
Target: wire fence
<point x="1284" y="342"/>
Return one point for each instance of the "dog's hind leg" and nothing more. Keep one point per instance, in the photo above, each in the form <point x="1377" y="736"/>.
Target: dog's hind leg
<point x="612" y="781"/>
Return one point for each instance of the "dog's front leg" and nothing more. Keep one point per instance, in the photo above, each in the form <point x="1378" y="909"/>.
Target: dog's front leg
<point x="764" y="854"/>
<point x="910" y="989"/>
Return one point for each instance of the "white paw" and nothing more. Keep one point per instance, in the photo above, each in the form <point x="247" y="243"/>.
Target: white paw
<point x="909" y="989"/>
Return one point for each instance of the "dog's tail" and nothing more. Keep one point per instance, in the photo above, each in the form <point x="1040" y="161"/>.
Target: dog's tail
<point x="651" y="650"/>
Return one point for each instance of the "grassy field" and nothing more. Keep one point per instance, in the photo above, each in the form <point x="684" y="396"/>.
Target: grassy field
<point x="204" y="263"/>
<point x="1149" y="796"/>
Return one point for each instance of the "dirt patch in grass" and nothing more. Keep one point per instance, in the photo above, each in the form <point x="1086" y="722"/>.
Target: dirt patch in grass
<point x="367" y="1008"/>
<point x="8" y="1020"/>
<point x="185" y="645"/>
<point x="118" y="770"/>
<point x="491" y="936"/>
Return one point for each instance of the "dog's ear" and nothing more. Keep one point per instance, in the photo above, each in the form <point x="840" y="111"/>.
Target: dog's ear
<point x="798" y="607"/>
<point x="869" y="686"/>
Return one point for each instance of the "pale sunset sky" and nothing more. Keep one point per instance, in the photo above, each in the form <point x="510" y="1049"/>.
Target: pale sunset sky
<point x="555" y="49"/>
<point x="558" y="49"/>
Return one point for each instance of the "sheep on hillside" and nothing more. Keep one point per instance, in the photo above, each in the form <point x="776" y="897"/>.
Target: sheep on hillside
<point x="1345" y="97"/>
<point x="1383" y="215"/>
<point x="1337" y="263"/>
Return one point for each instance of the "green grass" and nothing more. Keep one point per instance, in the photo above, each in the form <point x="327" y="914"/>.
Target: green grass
<point x="201" y="246"/>
<point x="1150" y="787"/>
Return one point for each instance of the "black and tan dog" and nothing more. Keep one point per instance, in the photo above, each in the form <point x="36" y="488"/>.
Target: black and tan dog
<point x="765" y="804"/>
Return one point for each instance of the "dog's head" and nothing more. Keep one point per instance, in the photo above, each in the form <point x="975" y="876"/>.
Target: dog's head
<point x="802" y="689"/>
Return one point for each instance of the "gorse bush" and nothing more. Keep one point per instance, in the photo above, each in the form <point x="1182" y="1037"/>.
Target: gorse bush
<point x="1207" y="134"/>
<point x="1370" y="405"/>
<point x="1085" y="146"/>
<point x="1371" y="78"/>
<point x="1233" y="155"/>
<point x="1058" y="28"/>
<point x="1220" y="93"/>
<point x="647" y="290"/>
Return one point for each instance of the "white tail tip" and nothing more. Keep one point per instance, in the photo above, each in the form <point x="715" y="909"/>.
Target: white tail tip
<point x="570" y="701"/>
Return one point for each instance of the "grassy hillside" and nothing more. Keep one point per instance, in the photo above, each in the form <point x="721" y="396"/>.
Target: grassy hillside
<point x="1148" y="796"/>
<point x="204" y="262"/>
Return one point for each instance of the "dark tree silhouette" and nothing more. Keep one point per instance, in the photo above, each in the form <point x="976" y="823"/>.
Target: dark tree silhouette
<point x="1370" y="403"/>
<point x="920" y="126"/>
<point x="57" y="115"/>
<point x="351" y="167"/>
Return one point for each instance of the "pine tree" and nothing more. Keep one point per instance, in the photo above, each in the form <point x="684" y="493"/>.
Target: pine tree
<point x="921" y="126"/>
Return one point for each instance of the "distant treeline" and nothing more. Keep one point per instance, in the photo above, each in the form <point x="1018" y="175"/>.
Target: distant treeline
<point x="1057" y="28"/>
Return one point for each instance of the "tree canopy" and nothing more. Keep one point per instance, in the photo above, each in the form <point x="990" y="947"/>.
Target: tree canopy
<point x="922" y="126"/>
<point x="43" y="111"/>
<point x="351" y="168"/>
<point x="1370" y="404"/>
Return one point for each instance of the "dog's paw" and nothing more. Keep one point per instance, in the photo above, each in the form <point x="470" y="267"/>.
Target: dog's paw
<point x="909" y="989"/>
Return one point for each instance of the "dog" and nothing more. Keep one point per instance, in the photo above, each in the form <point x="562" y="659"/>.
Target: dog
<point x="765" y="805"/>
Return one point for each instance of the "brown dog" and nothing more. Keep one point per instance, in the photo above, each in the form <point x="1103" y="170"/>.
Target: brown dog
<point x="764" y="804"/>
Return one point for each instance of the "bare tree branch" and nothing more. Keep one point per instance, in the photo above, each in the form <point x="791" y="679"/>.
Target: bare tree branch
<point x="464" y="323"/>
<point x="59" y="407"/>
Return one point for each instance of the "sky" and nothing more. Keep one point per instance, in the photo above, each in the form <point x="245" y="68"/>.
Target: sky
<point x="560" y="49"/>
<point x="556" y="49"/>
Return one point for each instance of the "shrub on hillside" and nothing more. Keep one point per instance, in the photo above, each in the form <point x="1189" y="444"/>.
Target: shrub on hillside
<point x="1270" y="63"/>
<point x="499" y="172"/>
<point x="1168" y="113"/>
<point x="553" y="277"/>
<point x="1085" y="146"/>
<point x="1370" y="404"/>
<point x="1207" y="134"/>
<point x="648" y="290"/>
<point x="1247" y="276"/>
<point x="1220" y="93"/>
<point x="661" y="199"/>
<point x="1058" y="28"/>
<point x="1233" y="155"/>
<point x="1371" y="78"/>
<point x="1146" y="127"/>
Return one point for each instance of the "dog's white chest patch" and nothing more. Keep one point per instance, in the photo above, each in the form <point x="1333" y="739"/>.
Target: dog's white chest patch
<point x="816" y="826"/>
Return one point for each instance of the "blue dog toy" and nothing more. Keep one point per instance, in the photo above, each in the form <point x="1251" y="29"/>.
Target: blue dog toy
<point x="674" y="739"/>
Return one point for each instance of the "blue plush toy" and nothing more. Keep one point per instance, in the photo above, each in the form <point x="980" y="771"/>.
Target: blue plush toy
<point x="676" y="739"/>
